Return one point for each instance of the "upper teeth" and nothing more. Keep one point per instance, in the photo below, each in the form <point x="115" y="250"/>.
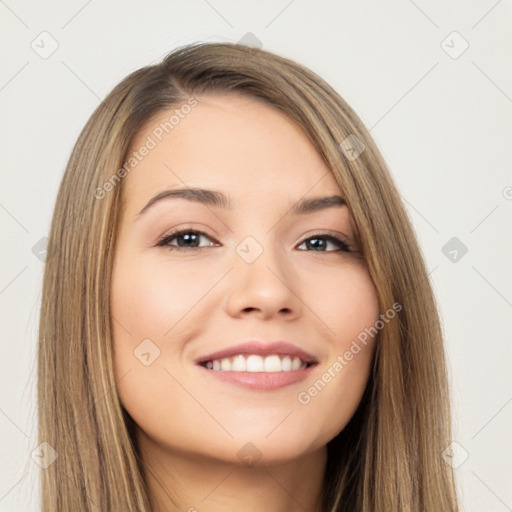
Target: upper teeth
<point x="256" y="363"/>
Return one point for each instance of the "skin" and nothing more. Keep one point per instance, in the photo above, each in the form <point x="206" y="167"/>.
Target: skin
<point x="190" y="426"/>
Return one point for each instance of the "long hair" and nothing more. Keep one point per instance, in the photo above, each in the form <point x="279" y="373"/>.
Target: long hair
<point x="389" y="456"/>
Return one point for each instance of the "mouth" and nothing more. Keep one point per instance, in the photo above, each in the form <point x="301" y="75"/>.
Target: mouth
<point x="259" y="366"/>
<point x="255" y="363"/>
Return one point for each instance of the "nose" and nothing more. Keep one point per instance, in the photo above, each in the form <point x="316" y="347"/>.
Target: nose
<point x="264" y="288"/>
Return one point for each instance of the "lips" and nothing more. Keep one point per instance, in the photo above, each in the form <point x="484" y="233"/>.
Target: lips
<point x="281" y="348"/>
<point x="259" y="382"/>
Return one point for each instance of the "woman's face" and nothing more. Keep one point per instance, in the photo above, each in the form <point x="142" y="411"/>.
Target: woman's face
<point x="263" y="271"/>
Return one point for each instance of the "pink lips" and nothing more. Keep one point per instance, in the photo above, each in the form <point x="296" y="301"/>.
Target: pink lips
<point x="281" y="348"/>
<point x="262" y="381"/>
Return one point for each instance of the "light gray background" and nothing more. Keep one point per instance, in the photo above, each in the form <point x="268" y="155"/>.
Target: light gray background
<point x="441" y="122"/>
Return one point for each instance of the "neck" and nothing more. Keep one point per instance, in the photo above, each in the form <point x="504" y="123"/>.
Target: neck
<point x="189" y="482"/>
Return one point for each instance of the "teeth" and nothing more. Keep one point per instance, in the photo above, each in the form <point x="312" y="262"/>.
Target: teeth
<point x="255" y="363"/>
<point x="238" y="364"/>
<point x="273" y="364"/>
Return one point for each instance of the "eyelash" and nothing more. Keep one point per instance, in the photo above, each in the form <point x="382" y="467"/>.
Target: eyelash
<point x="165" y="241"/>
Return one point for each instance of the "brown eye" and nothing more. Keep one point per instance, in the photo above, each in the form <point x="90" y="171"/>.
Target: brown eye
<point x="319" y="243"/>
<point x="186" y="239"/>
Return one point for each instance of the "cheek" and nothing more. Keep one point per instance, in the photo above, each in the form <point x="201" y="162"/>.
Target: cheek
<point x="149" y="301"/>
<point x="348" y="307"/>
<point x="149" y="306"/>
<point x="344" y="301"/>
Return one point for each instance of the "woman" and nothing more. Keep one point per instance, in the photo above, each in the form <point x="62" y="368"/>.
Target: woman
<point x="236" y="313"/>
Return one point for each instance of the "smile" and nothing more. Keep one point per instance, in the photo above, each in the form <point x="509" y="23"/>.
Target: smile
<point x="255" y="363"/>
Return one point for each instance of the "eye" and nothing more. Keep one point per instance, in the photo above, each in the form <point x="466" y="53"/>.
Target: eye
<point x="320" y="242"/>
<point x="188" y="239"/>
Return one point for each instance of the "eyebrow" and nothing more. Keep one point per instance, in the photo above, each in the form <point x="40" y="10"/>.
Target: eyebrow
<point x="218" y="199"/>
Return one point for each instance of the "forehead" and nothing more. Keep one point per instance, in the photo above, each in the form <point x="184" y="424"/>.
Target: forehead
<point x="227" y="142"/>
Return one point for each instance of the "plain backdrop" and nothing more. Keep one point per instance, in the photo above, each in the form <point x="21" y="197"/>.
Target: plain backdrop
<point x="431" y="80"/>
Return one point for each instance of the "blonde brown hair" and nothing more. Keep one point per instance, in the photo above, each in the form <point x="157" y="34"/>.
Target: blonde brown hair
<point x="389" y="456"/>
